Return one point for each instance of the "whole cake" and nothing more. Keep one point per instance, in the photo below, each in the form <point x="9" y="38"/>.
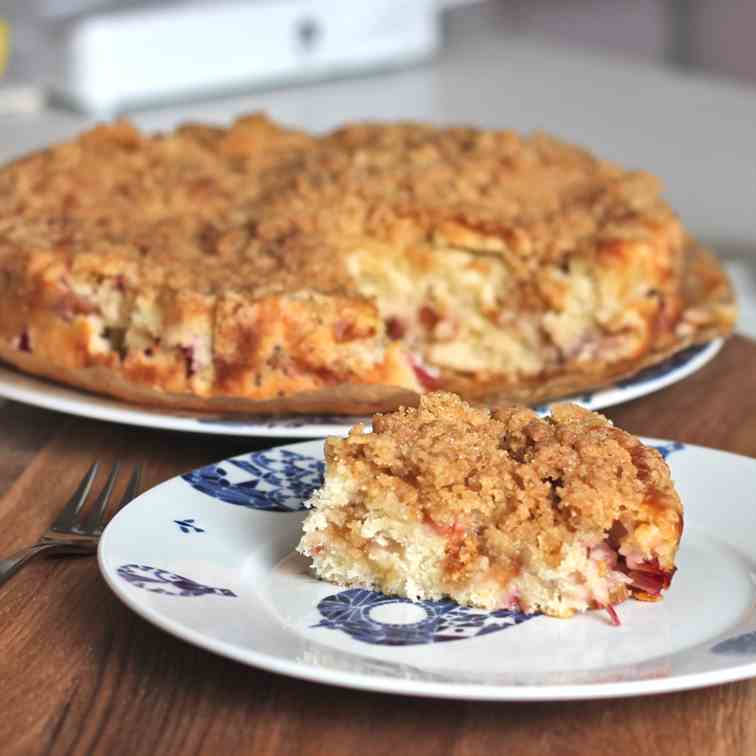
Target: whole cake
<point x="497" y="509"/>
<point x="256" y="268"/>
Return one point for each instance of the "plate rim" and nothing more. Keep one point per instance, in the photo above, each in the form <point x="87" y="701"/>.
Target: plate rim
<point x="378" y="682"/>
<point x="41" y="392"/>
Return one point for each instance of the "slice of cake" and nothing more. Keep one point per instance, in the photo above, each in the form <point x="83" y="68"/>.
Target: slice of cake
<point x="496" y="509"/>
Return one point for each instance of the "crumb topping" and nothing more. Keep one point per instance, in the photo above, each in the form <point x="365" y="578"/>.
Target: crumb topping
<point x="267" y="207"/>
<point x="493" y="482"/>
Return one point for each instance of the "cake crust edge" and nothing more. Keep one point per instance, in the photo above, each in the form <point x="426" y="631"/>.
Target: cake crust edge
<point x="709" y="312"/>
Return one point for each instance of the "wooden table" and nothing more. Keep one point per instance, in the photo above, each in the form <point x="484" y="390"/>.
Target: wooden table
<point x="82" y="674"/>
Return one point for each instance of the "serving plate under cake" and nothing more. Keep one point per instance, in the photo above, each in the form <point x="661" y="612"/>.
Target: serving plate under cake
<point x="42" y="393"/>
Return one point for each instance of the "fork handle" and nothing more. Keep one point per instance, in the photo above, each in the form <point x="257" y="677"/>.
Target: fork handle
<point x="11" y="565"/>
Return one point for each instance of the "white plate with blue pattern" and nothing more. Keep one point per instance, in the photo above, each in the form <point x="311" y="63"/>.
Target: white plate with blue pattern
<point x="41" y="393"/>
<point x="209" y="557"/>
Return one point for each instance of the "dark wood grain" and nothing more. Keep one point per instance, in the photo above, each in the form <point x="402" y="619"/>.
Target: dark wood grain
<point x="714" y="407"/>
<point x="81" y="674"/>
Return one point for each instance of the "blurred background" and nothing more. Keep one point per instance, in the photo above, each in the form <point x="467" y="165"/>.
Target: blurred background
<point x="68" y="49"/>
<point x="667" y="85"/>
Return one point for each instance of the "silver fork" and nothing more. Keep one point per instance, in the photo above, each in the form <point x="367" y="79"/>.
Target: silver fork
<point x="73" y="532"/>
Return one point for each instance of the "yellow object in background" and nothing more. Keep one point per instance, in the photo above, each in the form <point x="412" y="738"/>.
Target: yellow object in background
<point x="4" y="45"/>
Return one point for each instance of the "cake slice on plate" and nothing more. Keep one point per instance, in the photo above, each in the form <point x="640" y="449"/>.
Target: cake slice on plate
<point x="499" y="509"/>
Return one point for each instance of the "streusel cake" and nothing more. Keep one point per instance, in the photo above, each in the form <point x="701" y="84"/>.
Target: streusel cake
<point x="258" y="268"/>
<point x="497" y="509"/>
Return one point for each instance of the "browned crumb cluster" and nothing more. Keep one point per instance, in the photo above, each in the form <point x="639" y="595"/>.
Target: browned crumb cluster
<point x="535" y="480"/>
<point x="510" y="493"/>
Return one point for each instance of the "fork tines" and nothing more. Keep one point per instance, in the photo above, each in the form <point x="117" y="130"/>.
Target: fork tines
<point x="73" y="520"/>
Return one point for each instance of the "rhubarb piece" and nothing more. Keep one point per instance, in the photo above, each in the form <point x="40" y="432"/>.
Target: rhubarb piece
<point x="427" y="379"/>
<point x="189" y="360"/>
<point x="23" y="343"/>
<point x="613" y="616"/>
<point x="395" y="329"/>
<point x="496" y="509"/>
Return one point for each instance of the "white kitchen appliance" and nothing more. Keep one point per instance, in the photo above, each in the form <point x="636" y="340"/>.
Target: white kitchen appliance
<point x="107" y="57"/>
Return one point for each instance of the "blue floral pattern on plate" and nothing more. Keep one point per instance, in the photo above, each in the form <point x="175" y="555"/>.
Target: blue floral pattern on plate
<point x="351" y="612"/>
<point x="654" y="372"/>
<point x="666" y="449"/>
<point x="740" y="645"/>
<point x="189" y="525"/>
<point x="156" y="580"/>
<point x="278" y="480"/>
